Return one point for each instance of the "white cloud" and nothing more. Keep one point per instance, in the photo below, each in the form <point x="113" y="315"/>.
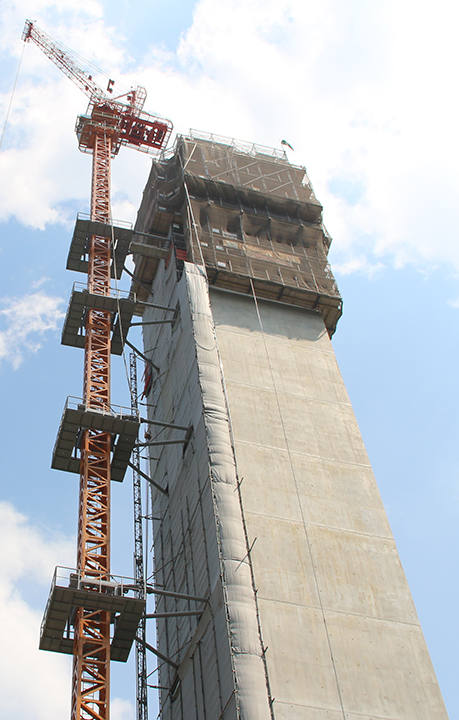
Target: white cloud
<point x="27" y="560"/>
<point x="361" y="90"/>
<point x="41" y="281"/>
<point x="354" y="91"/>
<point x="13" y="14"/>
<point x="26" y="551"/>
<point x="357" y="93"/>
<point x="121" y="710"/>
<point x="357" y="264"/>
<point x="27" y="319"/>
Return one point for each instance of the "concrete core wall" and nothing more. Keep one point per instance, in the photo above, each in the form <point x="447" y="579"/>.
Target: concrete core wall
<point x="342" y="635"/>
<point x="272" y="511"/>
<point x="273" y="514"/>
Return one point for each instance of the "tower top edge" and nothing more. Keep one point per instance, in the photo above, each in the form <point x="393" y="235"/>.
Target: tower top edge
<point x="242" y="147"/>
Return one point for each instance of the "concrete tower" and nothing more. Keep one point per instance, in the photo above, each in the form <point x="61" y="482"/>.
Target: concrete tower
<point x="267" y="509"/>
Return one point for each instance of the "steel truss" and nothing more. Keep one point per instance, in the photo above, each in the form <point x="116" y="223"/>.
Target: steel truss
<point x="139" y="571"/>
<point x="91" y="666"/>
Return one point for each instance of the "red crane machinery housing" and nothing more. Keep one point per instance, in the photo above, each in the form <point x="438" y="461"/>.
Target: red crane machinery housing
<point x="93" y="439"/>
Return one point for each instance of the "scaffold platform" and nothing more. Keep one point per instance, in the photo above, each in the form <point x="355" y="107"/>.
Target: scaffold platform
<point x="159" y="251"/>
<point x="85" y="228"/>
<point x="121" y="304"/>
<point x="125" y="241"/>
<point x="118" y="421"/>
<point x="72" y="589"/>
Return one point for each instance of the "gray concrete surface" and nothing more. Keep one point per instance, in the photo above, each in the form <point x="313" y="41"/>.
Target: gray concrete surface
<point x="342" y="635"/>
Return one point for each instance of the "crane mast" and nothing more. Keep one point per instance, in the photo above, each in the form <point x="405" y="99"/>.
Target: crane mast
<point x="91" y="663"/>
<point x="108" y="124"/>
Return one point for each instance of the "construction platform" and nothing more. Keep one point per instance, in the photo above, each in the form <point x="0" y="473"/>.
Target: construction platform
<point x="77" y="417"/>
<point x="71" y="589"/>
<point x="125" y="240"/>
<point x="121" y="304"/>
<point x="85" y="228"/>
<point x="246" y="214"/>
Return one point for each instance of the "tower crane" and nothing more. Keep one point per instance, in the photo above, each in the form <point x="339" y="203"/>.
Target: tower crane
<point x="109" y="123"/>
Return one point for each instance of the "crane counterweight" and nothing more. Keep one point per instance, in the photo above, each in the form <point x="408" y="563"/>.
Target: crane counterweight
<point x="143" y="131"/>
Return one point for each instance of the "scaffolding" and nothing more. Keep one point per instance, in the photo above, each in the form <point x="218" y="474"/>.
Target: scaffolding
<point x="247" y="215"/>
<point x="139" y="572"/>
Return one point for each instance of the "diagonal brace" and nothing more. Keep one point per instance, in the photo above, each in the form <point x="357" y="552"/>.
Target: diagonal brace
<point x="157" y="653"/>
<point x="145" y="476"/>
<point x="141" y="355"/>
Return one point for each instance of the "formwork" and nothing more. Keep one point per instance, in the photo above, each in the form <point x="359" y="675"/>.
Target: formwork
<point x="247" y="215"/>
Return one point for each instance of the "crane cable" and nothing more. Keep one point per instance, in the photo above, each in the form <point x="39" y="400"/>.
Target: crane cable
<point x="80" y="60"/>
<point x="11" y="98"/>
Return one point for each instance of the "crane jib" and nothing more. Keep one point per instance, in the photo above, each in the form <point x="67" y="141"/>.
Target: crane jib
<point x="126" y="123"/>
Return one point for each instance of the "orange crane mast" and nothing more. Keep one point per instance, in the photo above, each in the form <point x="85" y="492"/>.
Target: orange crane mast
<point x="108" y="124"/>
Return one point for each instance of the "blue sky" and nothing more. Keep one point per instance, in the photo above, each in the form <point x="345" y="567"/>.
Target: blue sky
<point x="362" y="91"/>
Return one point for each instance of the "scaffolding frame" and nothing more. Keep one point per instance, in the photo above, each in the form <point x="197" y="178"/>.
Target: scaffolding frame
<point x="139" y="569"/>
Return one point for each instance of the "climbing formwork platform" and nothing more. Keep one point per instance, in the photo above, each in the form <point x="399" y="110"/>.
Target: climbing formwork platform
<point x="73" y="589"/>
<point x="119" y="422"/>
<point x="121" y="304"/>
